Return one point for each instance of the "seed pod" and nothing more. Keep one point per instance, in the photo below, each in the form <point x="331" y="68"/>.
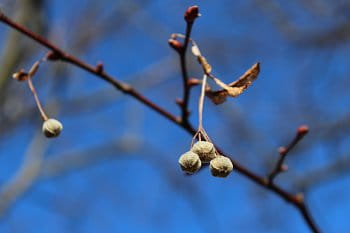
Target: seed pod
<point x="190" y="162"/>
<point x="205" y="151"/>
<point x="52" y="128"/>
<point x="221" y="166"/>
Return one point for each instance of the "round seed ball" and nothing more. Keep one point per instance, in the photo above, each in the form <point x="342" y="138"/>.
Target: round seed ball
<point x="52" y="128"/>
<point x="205" y="151"/>
<point x="190" y="162"/>
<point x="221" y="166"/>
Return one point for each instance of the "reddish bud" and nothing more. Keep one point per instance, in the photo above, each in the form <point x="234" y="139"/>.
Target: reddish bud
<point x="299" y="197"/>
<point x="99" y="68"/>
<point x="175" y="44"/>
<point x="302" y="130"/>
<point x="179" y="102"/>
<point x="193" y="82"/>
<point x="191" y="14"/>
<point x="282" y="150"/>
<point x="52" y="56"/>
<point x="284" y="168"/>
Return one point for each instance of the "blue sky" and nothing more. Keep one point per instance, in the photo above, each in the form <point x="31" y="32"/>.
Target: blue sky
<point x="134" y="184"/>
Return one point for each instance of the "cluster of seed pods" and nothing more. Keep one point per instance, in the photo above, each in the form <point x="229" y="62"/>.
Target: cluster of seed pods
<point x="203" y="152"/>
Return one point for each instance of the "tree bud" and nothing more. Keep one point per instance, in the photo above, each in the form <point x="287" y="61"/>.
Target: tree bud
<point x="302" y="130"/>
<point x="221" y="166"/>
<point x="190" y="162"/>
<point x="191" y="14"/>
<point x="175" y="44"/>
<point x="205" y="150"/>
<point x="52" y="128"/>
<point x="20" y="76"/>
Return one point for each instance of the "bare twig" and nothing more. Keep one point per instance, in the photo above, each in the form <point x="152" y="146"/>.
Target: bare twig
<point x="59" y="54"/>
<point x="63" y="56"/>
<point x="283" y="151"/>
<point x="185" y="78"/>
<point x="31" y="86"/>
<point x="181" y="49"/>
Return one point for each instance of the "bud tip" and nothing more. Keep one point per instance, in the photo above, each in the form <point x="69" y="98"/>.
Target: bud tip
<point x="303" y="129"/>
<point x="191" y="14"/>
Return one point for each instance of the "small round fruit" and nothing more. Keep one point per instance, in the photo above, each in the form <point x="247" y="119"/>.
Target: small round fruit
<point x="52" y="128"/>
<point x="205" y="150"/>
<point x="221" y="166"/>
<point x="190" y="162"/>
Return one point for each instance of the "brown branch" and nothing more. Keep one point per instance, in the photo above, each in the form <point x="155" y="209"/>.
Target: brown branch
<point x="61" y="55"/>
<point x="190" y="15"/>
<point x="185" y="78"/>
<point x="58" y="54"/>
<point x="283" y="151"/>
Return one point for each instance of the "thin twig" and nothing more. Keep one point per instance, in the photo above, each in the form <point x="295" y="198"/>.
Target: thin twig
<point x="289" y="197"/>
<point x="186" y="88"/>
<point x="62" y="55"/>
<point x="283" y="151"/>
<point x="31" y="86"/>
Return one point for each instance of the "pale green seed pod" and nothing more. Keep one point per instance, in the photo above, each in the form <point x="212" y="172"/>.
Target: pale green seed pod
<point x="190" y="162"/>
<point x="52" y="128"/>
<point x="221" y="166"/>
<point x="205" y="150"/>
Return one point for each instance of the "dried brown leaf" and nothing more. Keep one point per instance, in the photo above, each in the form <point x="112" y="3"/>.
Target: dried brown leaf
<point x="247" y="78"/>
<point x="205" y="65"/>
<point x="235" y="88"/>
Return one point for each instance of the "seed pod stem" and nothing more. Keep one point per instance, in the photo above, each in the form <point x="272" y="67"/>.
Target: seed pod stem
<point x="31" y="86"/>
<point x="201" y="103"/>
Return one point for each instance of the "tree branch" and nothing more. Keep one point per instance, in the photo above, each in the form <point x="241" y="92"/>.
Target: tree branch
<point x="283" y="151"/>
<point x="58" y="54"/>
<point x="185" y="78"/>
<point x="190" y="15"/>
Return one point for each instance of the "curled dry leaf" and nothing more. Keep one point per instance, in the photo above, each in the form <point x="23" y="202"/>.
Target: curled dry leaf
<point x="205" y="65"/>
<point x="201" y="59"/>
<point x="235" y="88"/>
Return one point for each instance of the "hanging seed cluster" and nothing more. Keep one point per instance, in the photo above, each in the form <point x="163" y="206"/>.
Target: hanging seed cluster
<point x="204" y="152"/>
